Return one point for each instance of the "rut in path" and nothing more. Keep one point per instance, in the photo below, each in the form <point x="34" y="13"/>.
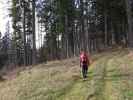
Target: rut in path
<point x="101" y="81"/>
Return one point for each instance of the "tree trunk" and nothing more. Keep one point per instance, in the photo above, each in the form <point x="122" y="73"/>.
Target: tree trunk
<point x="129" y="19"/>
<point x="86" y="34"/>
<point x="65" y="39"/>
<point x="105" y="27"/>
<point x="24" y="37"/>
<point x="112" y="34"/>
<point x="34" y="33"/>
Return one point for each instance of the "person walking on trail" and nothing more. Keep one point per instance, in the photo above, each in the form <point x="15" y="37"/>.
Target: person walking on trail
<point x="84" y="63"/>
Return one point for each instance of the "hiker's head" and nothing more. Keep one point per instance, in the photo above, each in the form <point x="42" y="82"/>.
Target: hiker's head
<point x="83" y="51"/>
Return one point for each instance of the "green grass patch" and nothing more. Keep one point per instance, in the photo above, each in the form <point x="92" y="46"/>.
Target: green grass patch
<point x="109" y="78"/>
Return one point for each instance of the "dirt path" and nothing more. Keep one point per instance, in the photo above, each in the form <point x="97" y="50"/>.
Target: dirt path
<point x="106" y="81"/>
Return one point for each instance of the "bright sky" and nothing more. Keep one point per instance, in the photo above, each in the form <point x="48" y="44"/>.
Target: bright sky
<point x="4" y="18"/>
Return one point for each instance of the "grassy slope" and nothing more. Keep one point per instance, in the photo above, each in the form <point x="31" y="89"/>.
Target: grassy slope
<point x="110" y="78"/>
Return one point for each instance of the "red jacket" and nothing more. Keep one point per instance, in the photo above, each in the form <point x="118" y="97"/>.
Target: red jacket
<point x="82" y="55"/>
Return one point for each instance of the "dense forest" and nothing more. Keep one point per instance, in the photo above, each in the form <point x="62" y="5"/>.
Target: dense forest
<point x="64" y="28"/>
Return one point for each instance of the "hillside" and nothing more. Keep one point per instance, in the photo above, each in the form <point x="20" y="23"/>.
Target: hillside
<point x="110" y="77"/>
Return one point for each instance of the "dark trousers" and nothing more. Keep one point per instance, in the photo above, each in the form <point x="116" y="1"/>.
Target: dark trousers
<point x="84" y="71"/>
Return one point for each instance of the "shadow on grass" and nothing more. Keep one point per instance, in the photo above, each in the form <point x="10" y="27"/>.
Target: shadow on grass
<point x="90" y="96"/>
<point x="2" y="79"/>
